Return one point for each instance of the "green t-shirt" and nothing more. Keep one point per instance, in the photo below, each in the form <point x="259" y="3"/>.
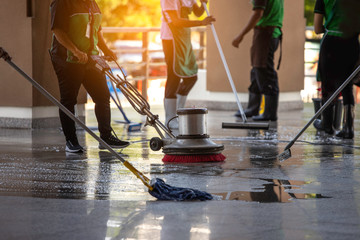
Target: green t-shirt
<point x="80" y="20"/>
<point x="273" y="14"/>
<point x="333" y="15"/>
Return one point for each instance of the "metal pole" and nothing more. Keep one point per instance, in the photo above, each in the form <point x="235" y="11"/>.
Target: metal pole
<point x="327" y="103"/>
<point x="243" y="116"/>
<point x="145" y="58"/>
<point x="142" y="177"/>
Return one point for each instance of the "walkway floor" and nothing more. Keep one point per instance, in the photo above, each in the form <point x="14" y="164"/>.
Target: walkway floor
<point x="47" y="194"/>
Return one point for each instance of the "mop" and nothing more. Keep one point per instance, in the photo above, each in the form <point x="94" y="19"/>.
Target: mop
<point x="287" y="153"/>
<point x="156" y="187"/>
<point x="245" y="124"/>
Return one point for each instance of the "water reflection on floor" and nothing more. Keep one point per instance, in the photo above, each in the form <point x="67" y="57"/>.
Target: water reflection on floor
<point x="312" y="195"/>
<point x="273" y="190"/>
<point x="34" y="163"/>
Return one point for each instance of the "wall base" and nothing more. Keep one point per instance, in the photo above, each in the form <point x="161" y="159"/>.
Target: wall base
<point x="23" y="123"/>
<point x="34" y="118"/>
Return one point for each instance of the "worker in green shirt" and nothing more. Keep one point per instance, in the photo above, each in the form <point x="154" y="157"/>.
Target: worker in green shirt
<point x="266" y="21"/>
<point x="337" y="60"/>
<point x="76" y="34"/>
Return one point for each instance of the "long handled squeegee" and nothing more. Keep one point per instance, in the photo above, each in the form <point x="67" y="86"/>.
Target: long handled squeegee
<point x="245" y="124"/>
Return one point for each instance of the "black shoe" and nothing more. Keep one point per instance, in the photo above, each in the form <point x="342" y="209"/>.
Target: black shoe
<point x="73" y="146"/>
<point x="326" y="122"/>
<point x="252" y="107"/>
<point x="264" y="118"/>
<point x="114" y="142"/>
<point x="247" y="113"/>
<point x="319" y="125"/>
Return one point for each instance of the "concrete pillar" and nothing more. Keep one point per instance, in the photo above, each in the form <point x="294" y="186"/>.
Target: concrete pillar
<point x="26" y="36"/>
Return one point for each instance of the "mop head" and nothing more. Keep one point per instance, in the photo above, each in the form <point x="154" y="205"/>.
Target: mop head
<point x="163" y="191"/>
<point x="194" y="158"/>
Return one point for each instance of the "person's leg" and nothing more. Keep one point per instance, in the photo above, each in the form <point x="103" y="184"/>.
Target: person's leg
<point x="337" y="60"/>
<point x="348" y="63"/>
<point x="347" y="131"/>
<point x="69" y="77"/>
<point x="328" y="87"/>
<point x="95" y="84"/>
<point x="183" y="90"/>
<point x="327" y="118"/>
<point x="254" y="97"/>
<point x="180" y="101"/>
<point x="171" y="86"/>
<point x="186" y="85"/>
<point x="267" y="80"/>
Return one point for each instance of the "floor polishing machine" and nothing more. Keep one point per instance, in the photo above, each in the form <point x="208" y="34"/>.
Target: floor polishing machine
<point x="192" y="139"/>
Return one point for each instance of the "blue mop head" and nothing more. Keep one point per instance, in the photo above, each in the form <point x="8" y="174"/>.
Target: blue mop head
<point x="163" y="191"/>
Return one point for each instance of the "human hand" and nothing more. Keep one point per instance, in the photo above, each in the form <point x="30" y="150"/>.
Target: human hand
<point x="237" y="41"/>
<point x="208" y="20"/>
<point x="81" y="56"/>
<point x="110" y="55"/>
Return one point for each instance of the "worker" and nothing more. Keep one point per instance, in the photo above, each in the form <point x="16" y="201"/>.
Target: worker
<point x="337" y="60"/>
<point x="179" y="56"/>
<point x="76" y="35"/>
<point x="266" y="21"/>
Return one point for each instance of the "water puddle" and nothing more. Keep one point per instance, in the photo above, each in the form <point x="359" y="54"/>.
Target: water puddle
<point x="274" y="190"/>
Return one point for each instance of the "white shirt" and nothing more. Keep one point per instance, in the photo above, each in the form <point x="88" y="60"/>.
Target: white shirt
<point x="168" y="5"/>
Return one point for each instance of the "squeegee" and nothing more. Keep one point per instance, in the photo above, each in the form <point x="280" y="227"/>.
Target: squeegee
<point x="244" y="124"/>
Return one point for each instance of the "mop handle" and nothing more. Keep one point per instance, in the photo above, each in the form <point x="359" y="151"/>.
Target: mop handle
<point x="115" y="92"/>
<point x="142" y="177"/>
<point x="327" y="103"/>
<point x="117" y="102"/>
<point x="226" y="66"/>
<point x="120" y="108"/>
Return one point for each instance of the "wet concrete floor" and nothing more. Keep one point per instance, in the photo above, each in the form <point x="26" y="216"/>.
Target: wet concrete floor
<point x="48" y="194"/>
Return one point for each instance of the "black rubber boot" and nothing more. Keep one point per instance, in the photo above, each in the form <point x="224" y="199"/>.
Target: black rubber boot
<point x="253" y="105"/>
<point x="338" y="110"/>
<point x="347" y="131"/>
<point x="270" y="112"/>
<point x="326" y="122"/>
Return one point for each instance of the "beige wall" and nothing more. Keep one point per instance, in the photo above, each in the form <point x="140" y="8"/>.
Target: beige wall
<point x="15" y="38"/>
<point x="41" y="41"/>
<point x="231" y="16"/>
<point x="27" y="40"/>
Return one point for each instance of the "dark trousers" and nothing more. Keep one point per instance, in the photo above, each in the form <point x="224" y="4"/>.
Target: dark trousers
<point x="337" y="60"/>
<point x="70" y="77"/>
<point x="264" y="80"/>
<point x="174" y="84"/>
